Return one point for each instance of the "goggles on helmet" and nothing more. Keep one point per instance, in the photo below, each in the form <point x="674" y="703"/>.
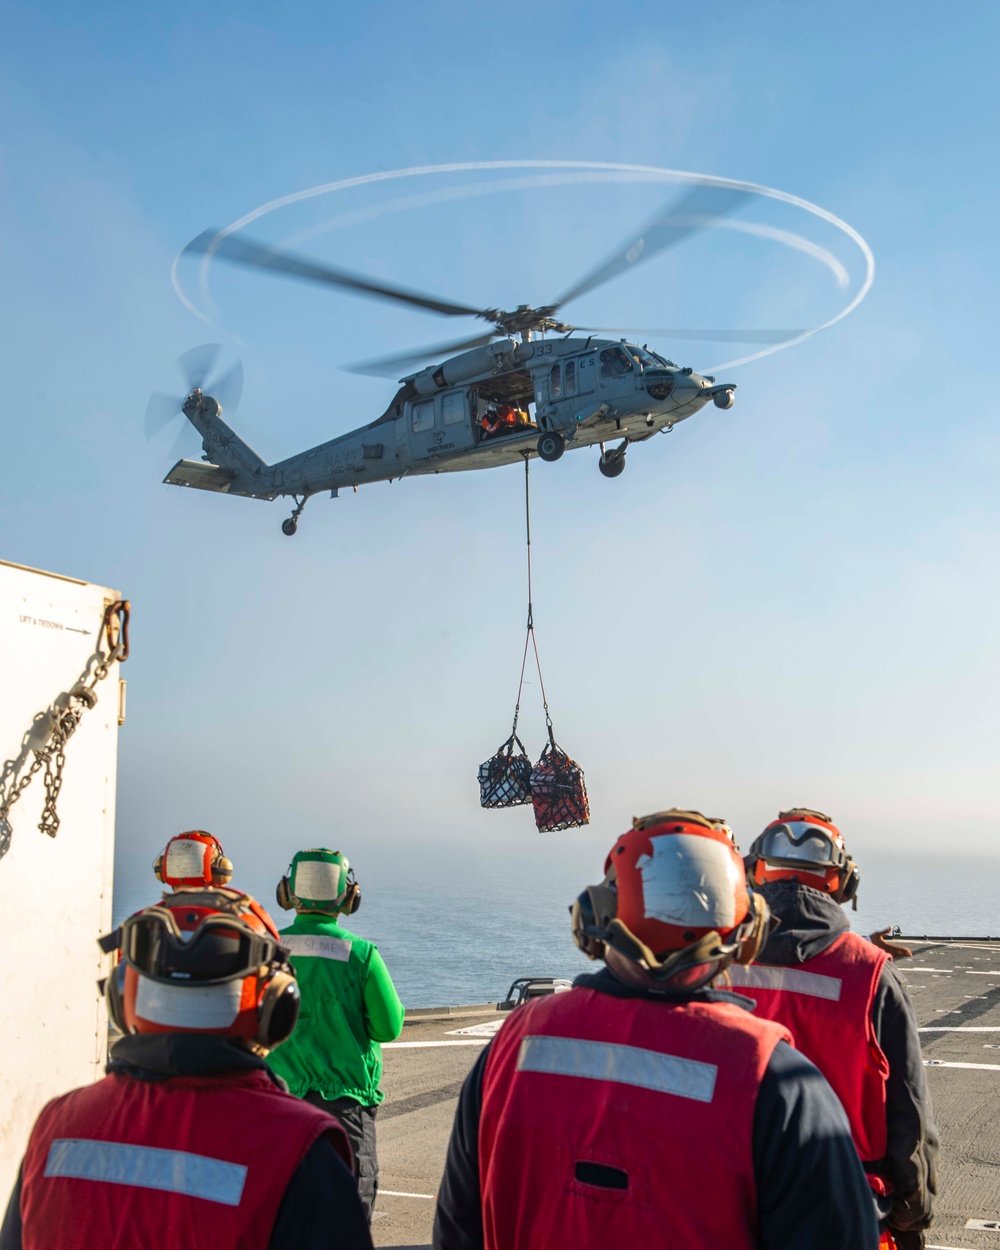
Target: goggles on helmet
<point x="220" y="948"/>
<point x="797" y="843"/>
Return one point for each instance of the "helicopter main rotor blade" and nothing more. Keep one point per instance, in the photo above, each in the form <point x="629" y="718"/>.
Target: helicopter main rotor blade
<point x="389" y="366"/>
<point x="701" y="336"/>
<point x="241" y="251"/>
<point x="196" y="363"/>
<point x="696" y="210"/>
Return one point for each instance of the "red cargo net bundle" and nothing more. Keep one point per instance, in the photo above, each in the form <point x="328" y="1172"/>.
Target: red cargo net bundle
<point x="558" y="791"/>
<point x="555" y="786"/>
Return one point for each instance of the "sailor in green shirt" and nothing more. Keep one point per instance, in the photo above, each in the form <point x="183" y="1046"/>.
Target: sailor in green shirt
<point x="349" y="1005"/>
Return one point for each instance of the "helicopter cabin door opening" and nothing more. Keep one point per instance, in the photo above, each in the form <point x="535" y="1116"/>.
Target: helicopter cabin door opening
<point x="503" y="406"/>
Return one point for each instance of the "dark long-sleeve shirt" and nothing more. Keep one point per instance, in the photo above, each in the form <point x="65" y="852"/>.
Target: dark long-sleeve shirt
<point x="811" y="1190"/>
<point x="809" y="923"/>
<point x="320" y="1210"/>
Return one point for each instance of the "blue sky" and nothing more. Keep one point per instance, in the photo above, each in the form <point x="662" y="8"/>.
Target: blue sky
<point x="793" y="602"/>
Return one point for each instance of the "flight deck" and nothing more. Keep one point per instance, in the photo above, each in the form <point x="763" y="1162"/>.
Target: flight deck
<point x="955" y="987"/>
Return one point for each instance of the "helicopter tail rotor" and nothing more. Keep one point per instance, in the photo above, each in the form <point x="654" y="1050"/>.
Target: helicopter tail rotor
<point x="195" y="366"/>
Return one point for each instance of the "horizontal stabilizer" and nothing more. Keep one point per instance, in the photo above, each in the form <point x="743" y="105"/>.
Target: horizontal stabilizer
<point x="200" y="476"/>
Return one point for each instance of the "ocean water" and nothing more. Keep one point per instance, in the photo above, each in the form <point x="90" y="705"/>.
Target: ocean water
<point x="456" y="923"/>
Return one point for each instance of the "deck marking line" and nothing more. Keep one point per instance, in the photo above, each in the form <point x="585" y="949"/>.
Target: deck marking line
<point x="991" y="1226"/>
<point x="959" y="1028"/>
<point x="945" y="1063"/>
<point x="396" y="1193"/>
<point x="464" y="1041"/>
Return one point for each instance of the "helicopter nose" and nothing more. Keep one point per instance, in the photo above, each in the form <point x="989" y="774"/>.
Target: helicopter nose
<point x="688" y="385"/>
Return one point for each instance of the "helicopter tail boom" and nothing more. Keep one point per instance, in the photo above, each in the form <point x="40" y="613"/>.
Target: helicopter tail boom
<point x="235" y="467"/>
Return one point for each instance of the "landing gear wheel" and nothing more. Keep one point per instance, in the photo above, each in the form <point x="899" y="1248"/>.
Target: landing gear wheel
<point x="551" y="446"/>
<point x="289" y="526"/>
<point x="612" y="466"/>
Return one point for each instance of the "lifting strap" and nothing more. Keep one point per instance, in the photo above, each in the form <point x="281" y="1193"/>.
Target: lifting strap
<point x="530" y="635"/>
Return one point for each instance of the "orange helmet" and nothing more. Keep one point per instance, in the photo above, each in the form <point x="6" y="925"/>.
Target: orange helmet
<point x="674" y="904"/>
<point x="192" y="860"/>
<point x="804" y="846"/>
<point x="202" y="961"/>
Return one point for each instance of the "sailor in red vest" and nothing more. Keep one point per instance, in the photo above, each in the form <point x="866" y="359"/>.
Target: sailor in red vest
<point x="189" y="1140"/>
<point x="647" y="1106"/>
<point x="847" y="1010"/>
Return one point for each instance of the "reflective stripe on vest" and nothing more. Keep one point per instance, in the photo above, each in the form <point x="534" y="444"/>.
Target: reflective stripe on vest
<point x="185" y="1161"/>
<point x="624" y="1065"/>
<point x="792" y="980"/>
<point x="833" y="1029"/>
<point x="174" y="1171"/>
<point x="598" y="1114"/>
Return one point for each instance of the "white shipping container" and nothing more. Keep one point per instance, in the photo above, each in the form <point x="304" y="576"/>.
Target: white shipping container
<point x="55" y="893"/>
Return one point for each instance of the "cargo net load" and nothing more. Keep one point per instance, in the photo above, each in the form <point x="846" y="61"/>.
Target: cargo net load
<point x="555" y="785"/>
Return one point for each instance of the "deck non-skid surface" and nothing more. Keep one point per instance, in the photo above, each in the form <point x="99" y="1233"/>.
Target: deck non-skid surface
<point x="955" y="987"/>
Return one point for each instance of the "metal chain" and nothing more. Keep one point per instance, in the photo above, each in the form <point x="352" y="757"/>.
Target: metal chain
<point x="54" y="729"/>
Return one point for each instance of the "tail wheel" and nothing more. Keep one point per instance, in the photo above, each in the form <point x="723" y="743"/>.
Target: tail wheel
<point x="612" y="466"/>
<point x="551" y="446"/>
<point x="289" y="526"/>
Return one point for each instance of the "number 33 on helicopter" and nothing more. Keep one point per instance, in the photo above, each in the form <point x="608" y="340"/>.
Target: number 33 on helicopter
<point x="497" y="398"/>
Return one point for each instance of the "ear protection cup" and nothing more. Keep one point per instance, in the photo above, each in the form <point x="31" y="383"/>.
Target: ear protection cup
<point x="352" y="896"/>
<point x="751" y="945"/>
<point x="283" y="894"/>
<point x="222" y="870"/>
<point x="852" y="879"/>
<point x="114" y="989"/>
<point x="158" y="868"/>
<point x="592" y="911"/>
<point x="278" y="1010"/>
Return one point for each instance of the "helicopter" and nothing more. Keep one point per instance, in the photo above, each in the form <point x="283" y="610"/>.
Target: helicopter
<point x="529" y="386"/>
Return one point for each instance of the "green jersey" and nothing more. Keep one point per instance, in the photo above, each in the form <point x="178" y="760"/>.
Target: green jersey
<point x="349" y="1006"/>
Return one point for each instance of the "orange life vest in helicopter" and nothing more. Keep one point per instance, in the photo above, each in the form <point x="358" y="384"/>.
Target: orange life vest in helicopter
<point x="186" y="1161"/>
<point x="826" y="1004"/>
<point x="598" y="1114"/>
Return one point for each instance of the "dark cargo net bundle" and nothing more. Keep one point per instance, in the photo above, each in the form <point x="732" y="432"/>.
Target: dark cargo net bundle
<point x="555" y="786"/>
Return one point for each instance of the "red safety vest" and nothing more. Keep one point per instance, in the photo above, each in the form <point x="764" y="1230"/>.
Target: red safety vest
<point x="187" y="1161"/>
<point x="826" y="1003"/>
<point x="610" y="1122"/>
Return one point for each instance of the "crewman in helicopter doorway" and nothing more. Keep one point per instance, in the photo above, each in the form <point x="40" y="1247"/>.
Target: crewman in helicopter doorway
<point x="649" y="1106"/>
<point x="349" y="1006"/>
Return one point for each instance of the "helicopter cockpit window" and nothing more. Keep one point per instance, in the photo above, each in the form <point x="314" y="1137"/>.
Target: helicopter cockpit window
<point x="453" y="408"/>
<point x="555" y="382"/>
<point x="615" y="363"/>
<point x="643" y="356"/>
<point x="423" y="416"/>
<point x="570" y="377"/>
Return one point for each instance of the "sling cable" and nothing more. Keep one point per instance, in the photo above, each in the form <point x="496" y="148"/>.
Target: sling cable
<point x="554" y="786"/>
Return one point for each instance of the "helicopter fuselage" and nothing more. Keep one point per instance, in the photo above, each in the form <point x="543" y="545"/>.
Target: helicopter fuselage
<point x="576" y="392"/>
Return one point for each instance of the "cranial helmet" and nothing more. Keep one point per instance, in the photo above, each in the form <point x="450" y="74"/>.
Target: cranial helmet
<point x="202" y="961"/>
<point x="192" y="860"/>
<point x="674" y="908"/>
<point x="805" y="846"/>
<point x="319" y="880"/>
